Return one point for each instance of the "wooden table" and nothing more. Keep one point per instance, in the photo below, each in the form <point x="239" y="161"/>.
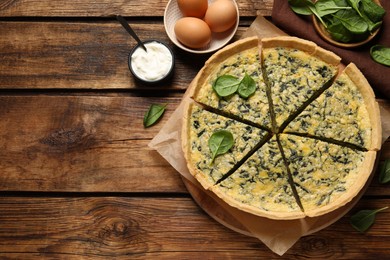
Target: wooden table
<point x="77" y="179"/>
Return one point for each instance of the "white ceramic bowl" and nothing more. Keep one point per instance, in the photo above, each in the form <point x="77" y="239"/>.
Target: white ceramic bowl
<point x="218" y="40"/>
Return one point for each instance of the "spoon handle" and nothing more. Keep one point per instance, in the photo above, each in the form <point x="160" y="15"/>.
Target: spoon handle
<point x="130" y="30"/>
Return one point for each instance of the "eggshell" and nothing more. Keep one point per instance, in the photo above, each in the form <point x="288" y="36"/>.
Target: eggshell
<point x="221" y="15"/>
<point x="193" y="8"/>
<point x="192" y="32"/>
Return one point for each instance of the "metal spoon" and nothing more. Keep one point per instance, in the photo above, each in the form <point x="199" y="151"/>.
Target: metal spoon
<point x="130" y="31"/>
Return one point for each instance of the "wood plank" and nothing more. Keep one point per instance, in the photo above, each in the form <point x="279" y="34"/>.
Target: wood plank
<point x="142" y="227"/>
<point x="55" y="143"/>
<point x="57" y="55"/>
<point x="104" y="8"/>
<point x="90" y="144"/>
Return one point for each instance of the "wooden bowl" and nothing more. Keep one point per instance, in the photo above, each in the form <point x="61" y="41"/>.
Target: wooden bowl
<point x="320" y="29"/>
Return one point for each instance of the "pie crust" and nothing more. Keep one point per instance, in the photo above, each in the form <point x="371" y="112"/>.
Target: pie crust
<point x="364" y="170"/>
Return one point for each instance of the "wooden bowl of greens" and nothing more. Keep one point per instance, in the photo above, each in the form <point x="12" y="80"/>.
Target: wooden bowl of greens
<point x="344" y="23"/>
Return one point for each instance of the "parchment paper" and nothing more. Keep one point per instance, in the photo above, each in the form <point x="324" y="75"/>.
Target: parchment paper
<point x="278" y="235"/>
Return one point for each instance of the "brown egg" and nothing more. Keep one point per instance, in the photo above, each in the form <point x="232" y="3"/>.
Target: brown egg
<point x="221" y="15"/>
<point x="192" y="32"/>
<point x="194" y="8"/>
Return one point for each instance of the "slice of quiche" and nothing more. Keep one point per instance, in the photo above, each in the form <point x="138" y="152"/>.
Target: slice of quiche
<point x="198" y="127"/>
<point x="261" y="185"/>
<point x="345" y="112"/>
<point x="326" y="176"/>
<point x="238" y="59"/>
<point x="296" y="71"/>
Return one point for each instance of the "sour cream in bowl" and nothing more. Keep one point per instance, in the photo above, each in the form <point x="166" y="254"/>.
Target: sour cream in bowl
<point x="154" y="65"/>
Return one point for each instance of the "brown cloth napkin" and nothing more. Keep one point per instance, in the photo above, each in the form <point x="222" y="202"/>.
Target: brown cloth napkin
<point x="301" y="26"/>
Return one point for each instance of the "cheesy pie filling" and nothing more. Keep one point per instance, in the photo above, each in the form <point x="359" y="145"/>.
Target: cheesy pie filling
<point x="254" y="109"/>
<point x="202" y="125"/>
<point x="339" y="114"/>
<point x="294" y="77"/>
<point x="260" y="184"/>
<point x="322" y="172"/>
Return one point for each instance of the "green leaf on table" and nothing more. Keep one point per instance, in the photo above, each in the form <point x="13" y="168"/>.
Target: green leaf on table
<point x="220" y="142"/>
<point x="326" y="7"/>
<point x="373" y="11"/>
<point x="226" y="85"/>
<point x="247" y="87"/>
<point x="364" y="219"/>
<point x="380" y="54"/>
<point x="153" y="114"/>
<point x="353" y="22"/>
<point x="384" y="172"/>
<point x="301" y="6"/>
<point x="355" y="5"/>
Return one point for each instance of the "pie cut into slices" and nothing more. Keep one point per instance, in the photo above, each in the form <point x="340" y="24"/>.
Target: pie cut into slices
<point x="345" y="112"/>
<point x="261" y="185"/>
<point x="296" y="71"/>
<point x="200" y="125"/>
<point x="305" y="141"/>
<point x="240" y="58"/>
<point x="326" y="176"/>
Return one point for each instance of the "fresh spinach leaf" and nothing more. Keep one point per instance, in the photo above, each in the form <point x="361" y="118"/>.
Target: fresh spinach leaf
<point x="380" y="54"/>
<point x="314" y="11"/>
<point x="384" y="172"/>
<point x="355" y="5"/>
<point x="373" y="11"/>
<point x="220" y="142"/>
<point x="226" y="85"/>
<point x="371" y="25"/>
<point x="301" y="6"/>
<point x="326" y="7"/>
<point x="339" y="33"/>
<point x="247" y="87"/>
<point x="343" y="3"/>
<point x="153" y="114"/>
<point x="363" y="220"/>
<point x="353" y="22"/>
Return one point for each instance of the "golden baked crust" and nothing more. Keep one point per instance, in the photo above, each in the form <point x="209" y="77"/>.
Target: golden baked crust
<point x="372" y="106"/>
<point x="289" y="42"/>
<point x="303" y="45"/>
<point x="250" y="183"/>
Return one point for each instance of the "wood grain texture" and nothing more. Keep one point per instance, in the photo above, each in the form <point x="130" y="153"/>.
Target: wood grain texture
<point x="72" y="55"/>
<point x="140" y="228"/>
<point x="104" y="8"/>
<point x="68" y="143"/>
<point x="77" y="179"/>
